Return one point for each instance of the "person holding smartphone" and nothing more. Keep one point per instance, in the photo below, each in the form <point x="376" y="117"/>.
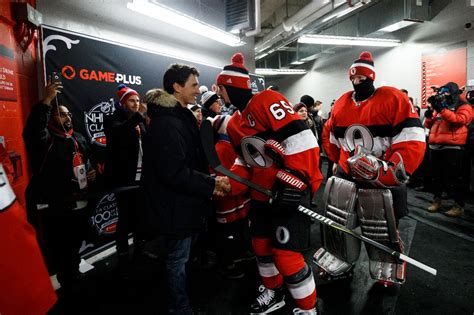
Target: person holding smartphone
<point x="62" y="174"/>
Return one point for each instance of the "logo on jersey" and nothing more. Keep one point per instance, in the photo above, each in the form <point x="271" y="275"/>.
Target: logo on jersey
<point x="105" y="215"/>
<point x="282" y="234"/>
<point x="253" y="152"/>
<point x="94" y="121"/>
<point x="358" y="135"/>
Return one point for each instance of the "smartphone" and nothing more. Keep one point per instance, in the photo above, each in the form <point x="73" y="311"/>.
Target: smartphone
<point x="56" y="77"/>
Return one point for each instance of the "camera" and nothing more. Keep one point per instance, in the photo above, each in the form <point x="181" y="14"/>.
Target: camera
<point x="470" y="97"/>
<point x="56" y="77"/>
<point x="468" y="26"/>
<point x="437" y="98"/>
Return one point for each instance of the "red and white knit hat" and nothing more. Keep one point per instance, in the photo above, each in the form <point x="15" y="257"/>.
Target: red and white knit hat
<point x="124" y="92"/>
<point x="235" y="74"/>
<point x="363" y="66"/>
<point x="220" y="123"/>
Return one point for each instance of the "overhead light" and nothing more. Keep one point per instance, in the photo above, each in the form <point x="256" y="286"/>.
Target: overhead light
<point x="178" y="19"/>
<point x="347" y="41"/>
<point x="297" y="62"/>
<point x="399" y="25"/>
<point x="343" y="13"/>
<point x="267" y="71"/>
<point x="261" y="56"/>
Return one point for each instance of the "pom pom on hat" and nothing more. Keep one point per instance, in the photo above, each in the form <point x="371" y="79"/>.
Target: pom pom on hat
<point x="203" y="89"/>
<point x="208" y="98"/>
<point x="235" y="74"/>
<point x="363" y="66"/>
<point x="124" y="92"/>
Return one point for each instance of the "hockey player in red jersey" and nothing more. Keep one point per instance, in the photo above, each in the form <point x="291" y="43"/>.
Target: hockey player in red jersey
<point x="376" y="138"/>
<point x="25" y="287"/>
<point x="277" y="151"/>
<point x="232" y="236"/>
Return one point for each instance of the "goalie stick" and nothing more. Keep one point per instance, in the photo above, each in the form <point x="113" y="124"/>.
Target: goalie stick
<point x="207" y="138"/>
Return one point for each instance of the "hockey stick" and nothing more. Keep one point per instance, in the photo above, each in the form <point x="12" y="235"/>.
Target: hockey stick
<point x="367" y="240"/>
<point x="207" y="138"/>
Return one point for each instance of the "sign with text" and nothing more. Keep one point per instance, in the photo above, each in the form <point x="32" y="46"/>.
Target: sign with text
<point x="91" y="69"/>
<point x="440" y="66"/>
<point x="7" y="75"/>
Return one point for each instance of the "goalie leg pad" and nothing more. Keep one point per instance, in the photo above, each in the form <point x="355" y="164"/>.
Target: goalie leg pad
<point x="375" y="210"/>
<point x="340" y="251"/>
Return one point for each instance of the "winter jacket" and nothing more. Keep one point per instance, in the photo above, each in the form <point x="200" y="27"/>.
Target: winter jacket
<point x="450" y="126"/>
<point x="123" y="138"/>
<point x="51" y="157"/>
<point x="176" y="187"/>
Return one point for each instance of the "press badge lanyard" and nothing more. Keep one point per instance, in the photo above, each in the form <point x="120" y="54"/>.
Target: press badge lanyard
<point x="140" y="155"/>
<point x="78" y="166"/>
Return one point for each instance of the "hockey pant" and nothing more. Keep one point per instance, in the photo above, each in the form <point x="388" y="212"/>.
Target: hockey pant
<point x="347" y="205"/>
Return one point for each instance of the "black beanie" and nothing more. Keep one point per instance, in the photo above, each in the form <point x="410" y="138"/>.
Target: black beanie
<point x="307" y="100"/>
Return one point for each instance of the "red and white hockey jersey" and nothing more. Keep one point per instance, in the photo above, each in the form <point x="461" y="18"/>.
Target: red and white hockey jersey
<point x="269" y="115"/>
<point x="384" y="123"/>
<point x="25" y="287"/>
<point x="234" y="207"/>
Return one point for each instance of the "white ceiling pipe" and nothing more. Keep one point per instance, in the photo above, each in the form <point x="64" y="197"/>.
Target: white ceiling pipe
<point x="288" y="25"/>
<point x="258" y="21"/>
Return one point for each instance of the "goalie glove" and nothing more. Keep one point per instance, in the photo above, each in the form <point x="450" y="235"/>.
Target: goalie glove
<point x="366" y="167"/>
<point x="290" y="191"/>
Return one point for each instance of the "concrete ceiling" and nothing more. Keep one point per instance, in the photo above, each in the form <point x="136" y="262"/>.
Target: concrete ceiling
<point x="273" y="14"/>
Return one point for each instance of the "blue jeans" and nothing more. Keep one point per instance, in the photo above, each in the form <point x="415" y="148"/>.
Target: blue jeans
<point x="176" y="254"/>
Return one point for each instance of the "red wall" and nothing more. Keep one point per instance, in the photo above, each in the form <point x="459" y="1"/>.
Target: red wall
<point x="13" y="113"/>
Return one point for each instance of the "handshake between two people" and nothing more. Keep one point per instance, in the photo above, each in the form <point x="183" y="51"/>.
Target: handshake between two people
<point x="222" y="187"/>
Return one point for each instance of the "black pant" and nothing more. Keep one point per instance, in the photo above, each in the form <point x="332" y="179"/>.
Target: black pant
<point x="63" y="234"/>
<point x="447" y="173"/>
<point x="128" y="203"/>
<point x="232" y="240"/>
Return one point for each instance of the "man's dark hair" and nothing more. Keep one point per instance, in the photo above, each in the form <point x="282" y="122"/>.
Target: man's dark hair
<point x="177" y="73"/>
<point x="404" y="91"/>
<point x="307" y="100"/>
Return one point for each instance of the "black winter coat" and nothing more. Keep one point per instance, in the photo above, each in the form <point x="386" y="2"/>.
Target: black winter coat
<point x="122" y="147"/>
<point x="177" y="189"/>
<point x="51" y="155"/>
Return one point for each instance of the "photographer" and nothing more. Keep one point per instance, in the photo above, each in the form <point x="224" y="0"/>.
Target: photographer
<point x="447" y="120"/>
<point x="62" y="173"/>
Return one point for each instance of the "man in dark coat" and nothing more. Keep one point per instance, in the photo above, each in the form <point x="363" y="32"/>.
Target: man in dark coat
<point x="62" y="172"/>
<point x="177" y="189"/>
<point x="124" y="130"/>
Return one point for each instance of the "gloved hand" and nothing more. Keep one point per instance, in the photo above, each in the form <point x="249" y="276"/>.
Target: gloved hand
<point x="290" y="191"/>
<point x="275" y="150"/>
<point x="429" y="113"/>
<point x="366" y="167"/>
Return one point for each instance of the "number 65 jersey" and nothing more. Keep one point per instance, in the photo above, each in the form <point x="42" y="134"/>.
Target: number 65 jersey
<point x="269" y="115"/>
<point x="385" y="123"/>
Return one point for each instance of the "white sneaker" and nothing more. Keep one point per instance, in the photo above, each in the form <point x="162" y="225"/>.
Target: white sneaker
<point x="305" y="312"/>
